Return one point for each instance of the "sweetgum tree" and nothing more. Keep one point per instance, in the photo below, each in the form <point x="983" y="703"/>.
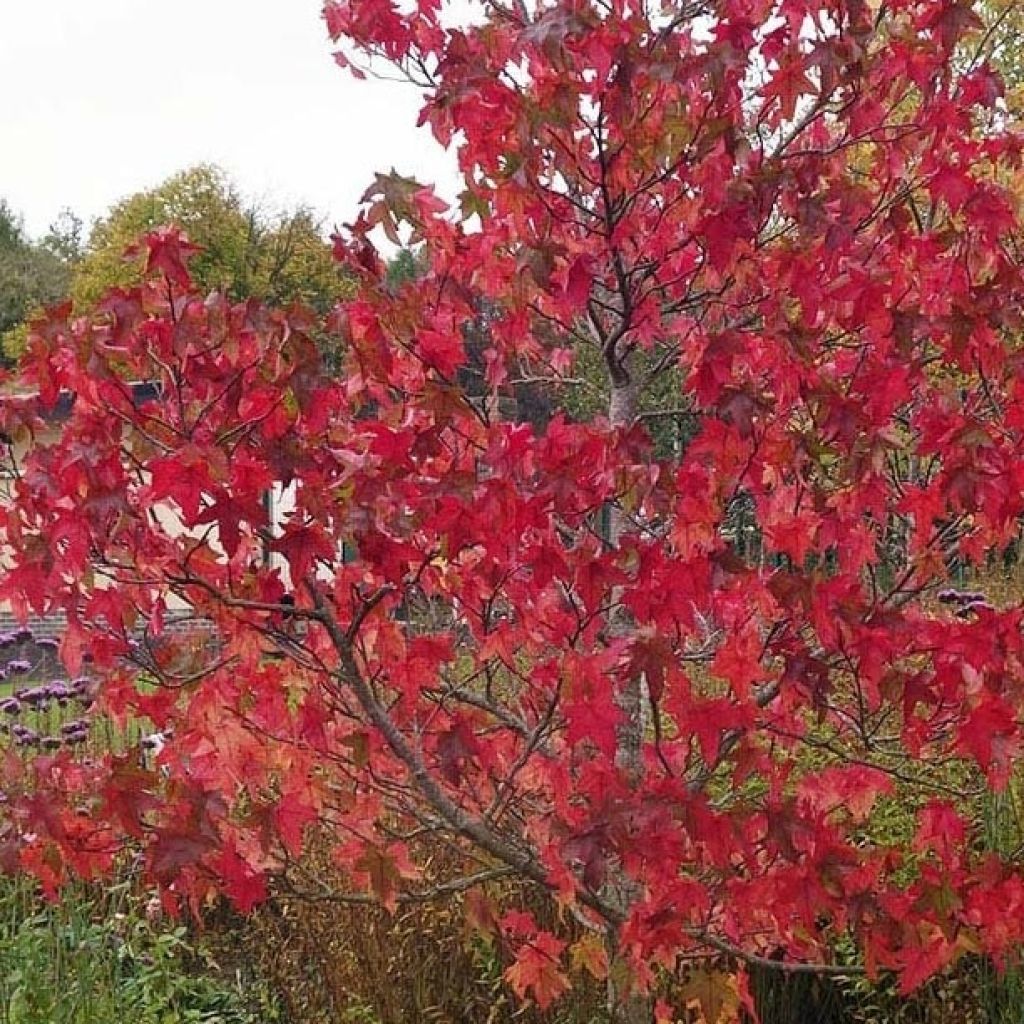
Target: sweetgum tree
<point x="541" y="648"/>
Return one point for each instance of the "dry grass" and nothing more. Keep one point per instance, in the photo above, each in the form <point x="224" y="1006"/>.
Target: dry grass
<point x="338" y="963"/>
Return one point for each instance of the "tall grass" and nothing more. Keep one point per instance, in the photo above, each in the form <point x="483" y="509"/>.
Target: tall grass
<point x="1001" y="990"/>
<point x="101" y="956"/>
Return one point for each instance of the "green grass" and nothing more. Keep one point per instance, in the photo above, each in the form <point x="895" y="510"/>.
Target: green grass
<point x="100" y="956"/>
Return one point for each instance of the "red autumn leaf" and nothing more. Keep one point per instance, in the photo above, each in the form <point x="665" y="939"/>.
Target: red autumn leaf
<point x="991" y="735"/>
<point x="940" y="827"/>
<point x="851" y="789"/>
<point x="442" y="352"/>
<point x="185" y="478"/>
<point x="168" y="252"/>
<point x="130" y="794"/>
<point x="456" y="747"/>
<point x="788" y="84"/>
<point x="594" y="719"/>
<point x="652" y="655"/>
<point x="537" y="971"/>
<point x="383" y="874"/>
<point x="246" y="887"/>
<point x="952" y="185"/>
<point x="578" y="283"/>
<point x="303" y="547"/>
<point x="175" y="850"/>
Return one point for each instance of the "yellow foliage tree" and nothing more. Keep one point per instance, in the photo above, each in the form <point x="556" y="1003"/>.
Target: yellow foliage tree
<point x="247" y="251"/>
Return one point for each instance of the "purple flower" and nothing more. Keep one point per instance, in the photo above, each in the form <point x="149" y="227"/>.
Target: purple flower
<point x="51" y="742"/>
<point x="19" y="665"/>
<point x="11" y="706"/>
<point x="23" y="634"/>
<point x="78" y="725"/>
<point x="74" y="739"/>
<point x="37" y="696"/>
<point x="962" y="597"/>
<point x="48" y="642"/>
<point x="26" y="738"/>
<point x="973" y="606"/>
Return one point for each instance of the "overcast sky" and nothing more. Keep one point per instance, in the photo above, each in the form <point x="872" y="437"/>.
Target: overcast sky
<point x="101" y="98"/>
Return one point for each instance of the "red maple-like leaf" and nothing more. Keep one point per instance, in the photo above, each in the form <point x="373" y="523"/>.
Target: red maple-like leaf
<point x="168" y="252"/>
<point x="537" y="971"/>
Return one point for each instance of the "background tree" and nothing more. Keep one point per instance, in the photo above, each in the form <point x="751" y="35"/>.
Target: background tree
<point x="246" y="251"/>
<point x="998" y="39"/>
<point x="31" y="274"/>
<point x="66" y="237"/>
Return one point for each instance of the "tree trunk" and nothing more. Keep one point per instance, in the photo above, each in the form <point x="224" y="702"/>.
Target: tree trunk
<point x="622" y="409"/>
<point x="622" y="406"/>
<point x="625" y="1007"/>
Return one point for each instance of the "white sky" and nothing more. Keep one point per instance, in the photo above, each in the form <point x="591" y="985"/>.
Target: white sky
<point x="101" y="98"/>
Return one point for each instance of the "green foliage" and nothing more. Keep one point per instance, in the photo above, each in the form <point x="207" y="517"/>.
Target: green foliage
<point x="32" y="274"/>
<point x="663" y="408"/>
<point x="406" y="266"/>
<point x="66" y="237"/>
<point x="278" y="257"/>
<point x="97" y="957"/>
<point x="998" y="40"/>
<point x="247" y="251"/>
